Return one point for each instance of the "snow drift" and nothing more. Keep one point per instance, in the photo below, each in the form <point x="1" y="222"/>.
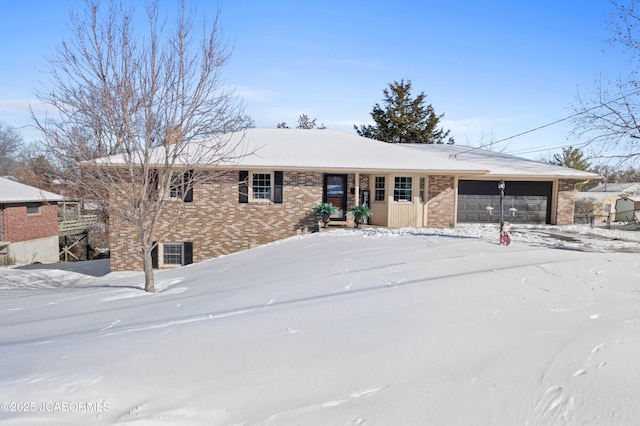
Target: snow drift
<point x="376" y="327"/>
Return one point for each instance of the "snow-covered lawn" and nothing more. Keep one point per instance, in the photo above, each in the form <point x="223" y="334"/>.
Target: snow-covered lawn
<point x="352" y="327"/>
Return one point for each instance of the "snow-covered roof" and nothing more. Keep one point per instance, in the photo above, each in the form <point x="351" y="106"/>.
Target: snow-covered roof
<point x="499" y="164"/>
<point x="336" y="150"/>
<point x="15" y="192"/>
<point x="331" y="150"/>
<point x="616" y="187"/>
<point x="598" y="196"/>
<point x="635" y="199"/>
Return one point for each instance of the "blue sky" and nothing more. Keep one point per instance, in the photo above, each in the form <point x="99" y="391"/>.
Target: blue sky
<point x="494" y="68"/>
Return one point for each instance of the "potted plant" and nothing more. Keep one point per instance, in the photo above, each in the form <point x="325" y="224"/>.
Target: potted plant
<point x="360" y="213"/>
<point x="324" y="210"/>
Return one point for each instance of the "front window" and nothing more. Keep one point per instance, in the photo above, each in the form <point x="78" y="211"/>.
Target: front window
<point x="176" y="189"/>
<point x="422" y="187"/>
<point x="261" y="186"/>
<point x="172" y="254"/>
<point x="403" y="188"/>
<point x="378" y="194"/>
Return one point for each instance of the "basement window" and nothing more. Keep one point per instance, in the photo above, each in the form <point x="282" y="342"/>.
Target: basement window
<point x="172" y="254"/>
<point x="168" y="255"/>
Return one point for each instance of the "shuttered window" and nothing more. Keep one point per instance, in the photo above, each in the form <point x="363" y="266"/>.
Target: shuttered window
<point x="260" y="186"/>
<point x="172" y="254"/>
<point x="182" y="186"/>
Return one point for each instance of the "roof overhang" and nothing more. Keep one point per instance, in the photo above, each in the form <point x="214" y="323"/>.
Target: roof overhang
<point x="340" y="152"/>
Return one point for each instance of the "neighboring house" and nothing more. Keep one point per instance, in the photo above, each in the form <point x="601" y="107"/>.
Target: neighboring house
<point x="270" y="194"/>
<point x="28" y="223"/>
<point x="602" y="199"/>
<point x="628" y="209"/>
<point x="629" y="188"/>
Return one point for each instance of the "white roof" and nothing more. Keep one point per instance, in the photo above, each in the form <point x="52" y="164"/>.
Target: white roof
<point x="499" y="164"/>
<point x="599" y="196"/>
<point x="15" y="192"/>
<point x="336" y="150"/>
<point x="331" y="150"/>
<point x="616" y="187"/>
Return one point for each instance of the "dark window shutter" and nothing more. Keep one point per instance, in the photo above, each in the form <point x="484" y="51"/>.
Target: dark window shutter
<point x="154" y="256"/>
<point x="277" y="188"/>
<point x="243" y="194"/>
<point x="187" y="253"/>
<point x="188" y="186"/>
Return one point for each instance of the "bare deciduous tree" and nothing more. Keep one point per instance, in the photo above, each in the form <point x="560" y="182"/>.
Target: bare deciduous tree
<point x="34" y="168"/>
<point x="608" y="118"/>
<point x="10" y="143"/>
<point x="141" y="115"/>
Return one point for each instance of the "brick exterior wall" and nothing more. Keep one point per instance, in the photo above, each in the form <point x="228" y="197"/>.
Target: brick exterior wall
<point x="18" y="226"/>
<point x="218" y="224"/>
<point x="440" y="202"/>
<point x="566" y="201"/>
<point x="351" y="198"/>
<point x="2" y="229"/>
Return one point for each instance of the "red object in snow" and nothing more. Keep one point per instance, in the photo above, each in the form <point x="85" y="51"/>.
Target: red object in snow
<point x="505" y="232"/>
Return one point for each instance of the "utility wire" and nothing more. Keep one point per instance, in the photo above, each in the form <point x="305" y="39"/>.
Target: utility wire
<point x="549" y="125"/>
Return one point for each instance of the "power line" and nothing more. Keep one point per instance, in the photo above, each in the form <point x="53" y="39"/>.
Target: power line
<point x="538" y="128"/>
<point x="564" y="119"/>
<point x="547" y="148"/>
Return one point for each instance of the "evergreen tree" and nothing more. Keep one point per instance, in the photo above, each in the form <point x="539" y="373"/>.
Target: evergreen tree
<point x="404" y="119"/>
<point x="571" y="157"/>
<point x="304" y="122"/>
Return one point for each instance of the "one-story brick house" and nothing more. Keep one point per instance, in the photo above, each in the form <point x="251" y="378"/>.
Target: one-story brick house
<point x="28" y="223"/>
<point x="270" y="194"/>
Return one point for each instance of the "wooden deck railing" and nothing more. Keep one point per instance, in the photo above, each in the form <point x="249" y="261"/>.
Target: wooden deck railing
<point x="77" y="225"/>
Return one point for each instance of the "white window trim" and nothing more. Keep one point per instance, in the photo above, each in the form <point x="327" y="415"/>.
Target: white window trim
<point x="385" y="189"/>
<point x="161" y="263"/>
<point x="38" y="213"/>
<point x="250" y="186"/>
<point x="393" y="189"/>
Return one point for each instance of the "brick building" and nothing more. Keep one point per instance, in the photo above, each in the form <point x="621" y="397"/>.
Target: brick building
<point x="28" y="223"/>
<point x="270" y="194"/>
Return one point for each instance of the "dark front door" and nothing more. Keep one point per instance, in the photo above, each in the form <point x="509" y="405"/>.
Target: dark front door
<point x="335" y="192"/>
